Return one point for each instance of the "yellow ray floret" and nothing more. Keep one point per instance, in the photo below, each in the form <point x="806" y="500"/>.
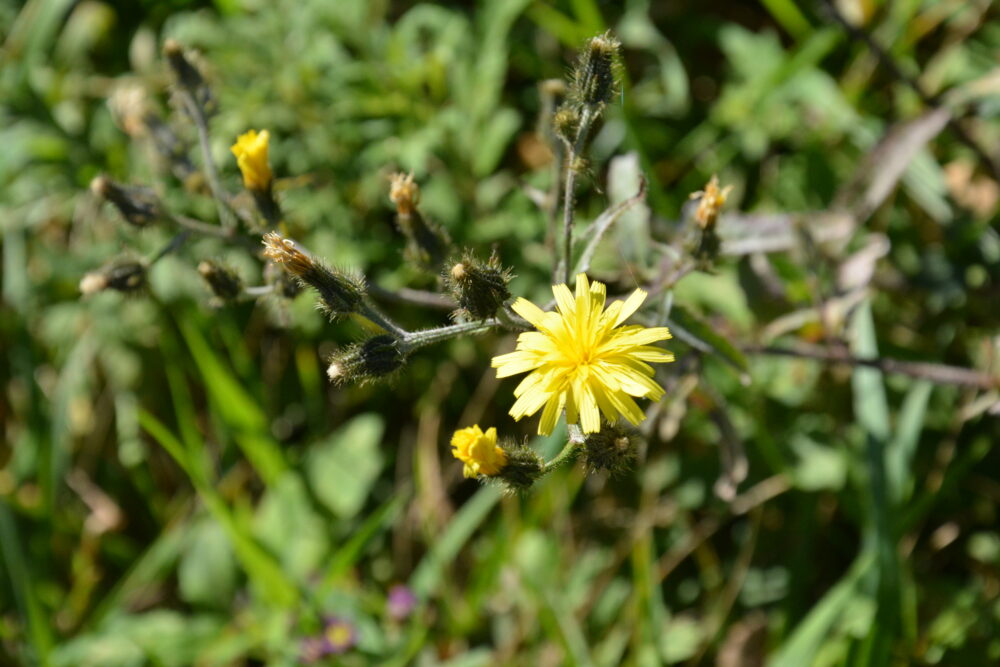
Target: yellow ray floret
<point x="250" y="150"/>
<point x="580" y="359"/>
<point x="478" y="451"/>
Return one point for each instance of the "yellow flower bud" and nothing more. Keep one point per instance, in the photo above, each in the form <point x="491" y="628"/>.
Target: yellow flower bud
<point x="250" y="150"/>
<point x="478" y="451"/>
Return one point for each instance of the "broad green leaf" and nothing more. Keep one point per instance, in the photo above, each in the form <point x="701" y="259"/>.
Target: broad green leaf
<point x="343" y="467"/>
<point x="207" y="571"/>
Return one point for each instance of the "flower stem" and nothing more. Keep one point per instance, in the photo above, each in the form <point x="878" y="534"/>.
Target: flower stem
<point x="568" y="451"/>
<point x="417" y="339"/>
<point x="572" y="154"/>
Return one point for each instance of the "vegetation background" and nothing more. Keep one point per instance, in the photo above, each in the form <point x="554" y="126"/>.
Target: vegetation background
<point x="180" y="485"/>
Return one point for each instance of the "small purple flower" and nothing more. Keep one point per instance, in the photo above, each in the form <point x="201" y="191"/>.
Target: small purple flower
<point x="339" y="636"/>
<point x="400" y="602"/>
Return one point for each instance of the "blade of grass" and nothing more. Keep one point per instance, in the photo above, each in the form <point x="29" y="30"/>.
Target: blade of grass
<point x="260" y="566"/>
<point x="872" y="414"/>
<point x="22" y="583"/>
<point x="236" y="407"/>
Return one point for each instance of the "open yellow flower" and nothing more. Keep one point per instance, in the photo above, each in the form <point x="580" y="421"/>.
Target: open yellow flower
<point x="581" y="360"/>
<point x="478" y="451"/>
<point x="250" y="150"/>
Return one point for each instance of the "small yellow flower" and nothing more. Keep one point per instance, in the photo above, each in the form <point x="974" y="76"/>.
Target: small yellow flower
<point x="712" y="199"/>
<point x="580" y="361"/>
<point x="478" y="451"/>
<point x="250" y="150"/>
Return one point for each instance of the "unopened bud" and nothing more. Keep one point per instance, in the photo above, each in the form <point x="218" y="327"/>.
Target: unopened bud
<point x="524" y="466"/>
<point x="122" y="275"/>
<point x="566" y="122"/>
<point x="372" y="359"/>
<point x="186" y="73"/>
<point x="339" y="292"/>
<point x="480" y="288"/>
<point x="137" y="205"/>
<point x="223" y="281"/>
<point x="594" y="82"/>
<point x="613" y="448"/>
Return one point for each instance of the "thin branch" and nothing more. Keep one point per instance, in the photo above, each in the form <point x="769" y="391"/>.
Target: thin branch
<point x="568" y="196"/>
<point x="940" y="373"/>
<point x="211" y="172"/>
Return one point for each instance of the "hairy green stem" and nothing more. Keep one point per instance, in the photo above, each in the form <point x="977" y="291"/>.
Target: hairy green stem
<point x="575" y="439"/>
<point x="572" y="154"/>
<point x="417" y="339"/>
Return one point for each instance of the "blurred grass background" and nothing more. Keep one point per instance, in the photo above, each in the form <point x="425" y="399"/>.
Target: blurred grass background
<point x="180" y="485"/>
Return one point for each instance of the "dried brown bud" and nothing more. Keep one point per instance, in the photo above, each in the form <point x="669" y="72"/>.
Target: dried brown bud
<point x="710" y="202"/>
<point x="339" y="292"/>
<point x="404" y="193"/>
<point x="427" y="244"/>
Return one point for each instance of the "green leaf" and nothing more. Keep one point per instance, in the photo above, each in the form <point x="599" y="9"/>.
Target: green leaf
<point x="207" y="571"/>
<point x="809" y="635"/>
<point x="288" y="525"/>
<point x="343" y="467"/>
<point x="903" y="446"/>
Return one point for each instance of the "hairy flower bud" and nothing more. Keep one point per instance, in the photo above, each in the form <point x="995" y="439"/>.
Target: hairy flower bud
<point x="121" y="275"/>
<point x="372" y="359"/>
<point x="339" y="293"/>
<point x="524" y="466"/>
<point x="594" y="82"/>
<point x="186" y="73"/>
<point x="478" y="287"/>
<point x="613" y="448"/>
<point x="566" y="122"/>
<point x="223" y="281"/>
<point x="139" y="206"/>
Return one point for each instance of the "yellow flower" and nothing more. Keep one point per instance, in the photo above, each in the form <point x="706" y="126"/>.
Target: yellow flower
<point x="478" y="451"/>
<point x="250" y="150"/>
<point x="579" y="360"/>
